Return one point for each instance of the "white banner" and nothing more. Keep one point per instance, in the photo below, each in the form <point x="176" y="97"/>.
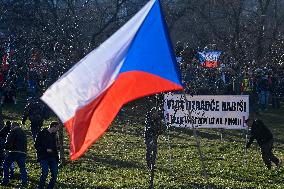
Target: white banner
<point x="207" y="111"/>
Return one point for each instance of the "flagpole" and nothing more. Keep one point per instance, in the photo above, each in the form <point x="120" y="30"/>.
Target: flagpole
<point x="61" y="144"/>
<point x="198" y="145"/>
<point x="169" y="149"/>
<point x="246" y="140"/>
<point x="168" y="140"/>
<point x="245" y="150"/>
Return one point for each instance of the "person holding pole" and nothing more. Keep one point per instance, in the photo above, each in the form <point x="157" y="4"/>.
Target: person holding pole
<point x="264" y="139"/>
<point x="153" y="128"/>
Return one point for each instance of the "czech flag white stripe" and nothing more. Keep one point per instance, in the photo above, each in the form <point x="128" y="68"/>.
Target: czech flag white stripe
<point x="92" y="75"/>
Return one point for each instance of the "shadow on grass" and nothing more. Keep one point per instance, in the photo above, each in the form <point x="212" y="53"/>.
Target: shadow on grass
<point x="64" y="185"/>
<point x="107" y="160"/>
<point x="194" y="186"/>
<point x="179" y="133"/>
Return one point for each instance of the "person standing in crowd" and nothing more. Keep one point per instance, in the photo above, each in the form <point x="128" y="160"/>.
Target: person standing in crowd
<point x="9" y="94"/>
<point x="16" y="147"/>
<point x="274" y="89"/>
<point x="3" y="135"/>
<point x="248" y="87"/>
<point x="153" y="128"/>
<point x="264" y="139"/>
<point x="37" y="112"/>
<point x="263" y="87"/>
<point x="47" y="154"/>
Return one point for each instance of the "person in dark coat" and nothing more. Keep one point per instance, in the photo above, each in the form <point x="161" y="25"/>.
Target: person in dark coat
<point x="16" y="147"/>
<point x="263" y="87"/>
<point x="37" y="112"/>
<point x="3" y="135"/>
<point x="153" y="128"/>
<point x="47" y="154"/>
<point x="9" y="94"/>
<point x="264" y="139"/>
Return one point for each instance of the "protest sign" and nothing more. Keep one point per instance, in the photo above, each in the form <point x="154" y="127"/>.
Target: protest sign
<point x="206" y="111"/>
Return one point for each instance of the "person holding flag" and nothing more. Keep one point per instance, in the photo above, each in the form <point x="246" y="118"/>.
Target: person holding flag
<point x="154" y="127"/>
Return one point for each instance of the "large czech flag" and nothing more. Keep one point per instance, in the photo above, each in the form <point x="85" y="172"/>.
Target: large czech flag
<point x="136" y="61"/>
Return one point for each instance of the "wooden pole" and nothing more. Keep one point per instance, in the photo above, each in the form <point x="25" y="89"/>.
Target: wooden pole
<point x="245" y="148"/>
<point x="61" y="145"/>
<point x="198" y="145"/>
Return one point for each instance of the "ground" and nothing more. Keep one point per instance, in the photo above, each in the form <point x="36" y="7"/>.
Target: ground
<point x="117" y="160"/>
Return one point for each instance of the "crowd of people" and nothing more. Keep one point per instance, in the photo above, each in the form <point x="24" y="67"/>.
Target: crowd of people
<point x="13" y="145"/>
<point x="29" y="74"/>
<point x="264" y="85"/>
<point x="30" y="80"/>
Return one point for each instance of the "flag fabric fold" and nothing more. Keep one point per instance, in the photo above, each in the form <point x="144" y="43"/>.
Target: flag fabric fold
<point x="135" y="61"/>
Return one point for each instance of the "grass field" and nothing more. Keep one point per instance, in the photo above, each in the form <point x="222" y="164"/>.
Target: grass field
<point x="117" y="160"/>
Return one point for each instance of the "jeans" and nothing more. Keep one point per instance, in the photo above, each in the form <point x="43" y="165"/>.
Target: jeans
<point x="20" y="158"/>
<point x="264" y="96"/>
<point x="52" y="165"/>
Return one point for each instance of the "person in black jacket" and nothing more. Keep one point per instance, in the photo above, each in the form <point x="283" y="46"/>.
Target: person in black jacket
<point x="16" y="147"/>
<point x="264" y="139"/>
<point x="47" y="154"/>
<point x="3" y="135"/>
<point x="153" y="128"/>
<point x="37" y="112"/>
